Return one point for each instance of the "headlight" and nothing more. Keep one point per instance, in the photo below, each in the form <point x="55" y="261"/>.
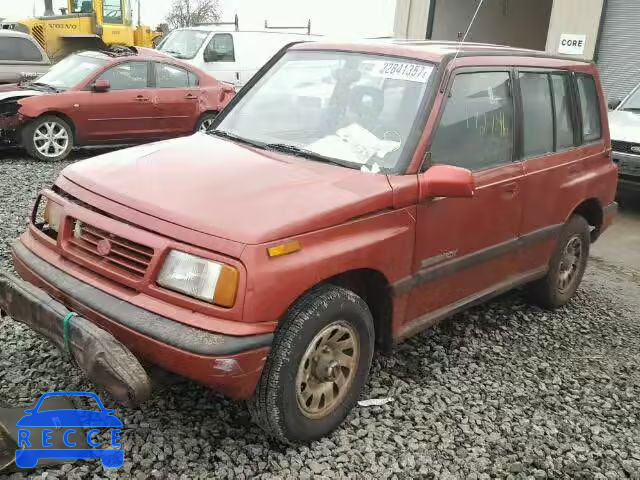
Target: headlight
<point x="199" y="278"/>
<point x="52" y="215"/>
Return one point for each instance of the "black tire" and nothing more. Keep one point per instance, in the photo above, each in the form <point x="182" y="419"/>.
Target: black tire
<point x="275" y="406"/>
<point x="547" y="292"/>
<point x="204" y="120"/>
<point x="31" y="145"/>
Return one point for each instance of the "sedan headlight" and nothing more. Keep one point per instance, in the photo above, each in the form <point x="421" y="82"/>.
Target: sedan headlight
<point x="199" y="278"/>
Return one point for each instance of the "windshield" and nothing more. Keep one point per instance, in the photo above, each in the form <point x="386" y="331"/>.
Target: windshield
<point x="633" y="102"/>
<point x="356" y="108"/>
<point x="183" y="43"/>
<point x="71" y="71"/>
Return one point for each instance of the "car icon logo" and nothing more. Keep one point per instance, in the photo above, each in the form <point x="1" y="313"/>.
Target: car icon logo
<point x="82" y="431"/>
<point x="635" y="149"/>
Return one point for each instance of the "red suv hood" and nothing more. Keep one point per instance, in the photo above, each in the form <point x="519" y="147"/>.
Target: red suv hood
<point x="231" y="191"/>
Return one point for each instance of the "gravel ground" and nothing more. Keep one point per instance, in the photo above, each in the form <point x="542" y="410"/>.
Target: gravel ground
<point x="504" y="390"/>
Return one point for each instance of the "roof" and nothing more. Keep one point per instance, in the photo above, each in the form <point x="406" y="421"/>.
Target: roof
<point x="431" y="50"/>
<point x="232" y="29"/>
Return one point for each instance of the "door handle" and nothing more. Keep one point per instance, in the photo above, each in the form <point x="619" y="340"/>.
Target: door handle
<point x="191" y="96"/>
<point x="142" y="98"/>
<point x="510" y="188"/>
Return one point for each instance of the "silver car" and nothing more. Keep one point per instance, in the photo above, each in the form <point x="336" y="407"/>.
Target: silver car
<point x="20" y="54"/>
<point x="624" y="123"/>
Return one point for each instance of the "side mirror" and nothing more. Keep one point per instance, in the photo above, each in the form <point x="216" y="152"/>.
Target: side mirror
<point x="446" y="181"/>
<point x="613" y="104"/>
<point x="101" y="86"/>
<point x="210" y="55"/>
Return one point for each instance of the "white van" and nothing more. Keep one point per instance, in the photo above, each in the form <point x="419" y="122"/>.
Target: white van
<point x="225" y="53"/>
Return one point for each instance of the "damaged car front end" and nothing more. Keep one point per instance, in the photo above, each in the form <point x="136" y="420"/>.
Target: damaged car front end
<point x="11" y="119"/>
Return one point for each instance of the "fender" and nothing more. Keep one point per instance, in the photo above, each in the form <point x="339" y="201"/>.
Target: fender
<point x="382" y="241"/>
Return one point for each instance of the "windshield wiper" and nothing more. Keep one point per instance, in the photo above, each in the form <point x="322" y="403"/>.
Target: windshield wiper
<point x="235" y="138"/>
<point x="51" y="88"/>
<point x="302" y="152"/>
<point x="175" y="53"/>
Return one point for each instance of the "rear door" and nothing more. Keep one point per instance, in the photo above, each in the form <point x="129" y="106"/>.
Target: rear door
<point x="179" y="98"/>
<point x="466" y="247"/>
<point x="128" y="111"/>
<point x="562" y="147"/>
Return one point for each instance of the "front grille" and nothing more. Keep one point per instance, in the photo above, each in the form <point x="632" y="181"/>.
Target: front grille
<point x="625" y="147"/>
<point x="38" y="33"/>
<point x="112" y="252"/>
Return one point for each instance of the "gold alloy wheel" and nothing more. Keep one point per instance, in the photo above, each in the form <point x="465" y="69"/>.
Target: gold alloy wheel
<point x="327" y="369"/>
<point x="570" y="263"/>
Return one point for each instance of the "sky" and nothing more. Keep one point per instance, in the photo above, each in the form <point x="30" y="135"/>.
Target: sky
<point x="329" y="17"/>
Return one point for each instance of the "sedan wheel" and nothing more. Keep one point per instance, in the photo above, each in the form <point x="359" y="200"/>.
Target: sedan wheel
<point x="205" y="126"/>
<point x="51" y="139"/>
<point x="48" y="138"/>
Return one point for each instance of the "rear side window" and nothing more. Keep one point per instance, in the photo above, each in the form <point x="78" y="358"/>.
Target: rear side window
<point x="170" y="76"/>
<point x="589" y="107"/>
<point x="561" y="84"/>
<point x="537" y="112"/>
<point x="476" y="127"/>
<point x="19" y="49"/>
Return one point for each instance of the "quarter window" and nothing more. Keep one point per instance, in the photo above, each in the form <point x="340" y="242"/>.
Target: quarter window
<point x="476" y="128"/>
<point x="537" y="113"/>
<point x="127" y="76"/>
<point x="220" y="49"/>
<point x="562" y="102"/>
<point x="169" y="76"/>
<point x="19" y="49"/>
<point x="589" y="108"/>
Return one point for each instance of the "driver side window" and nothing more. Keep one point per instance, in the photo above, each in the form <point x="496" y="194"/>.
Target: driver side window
<point x="127" y="76"/>
<point x="476" y="127"/>
<point x="220" y="49"/>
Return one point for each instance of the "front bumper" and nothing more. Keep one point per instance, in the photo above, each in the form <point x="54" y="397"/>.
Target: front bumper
<point x="231" y="365"/>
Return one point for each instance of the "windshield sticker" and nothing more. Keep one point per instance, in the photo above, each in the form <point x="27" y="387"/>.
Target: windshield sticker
<point x="411" y="72"/>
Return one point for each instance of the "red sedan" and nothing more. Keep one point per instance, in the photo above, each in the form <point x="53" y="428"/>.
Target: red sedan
<point x="113" y="97"/>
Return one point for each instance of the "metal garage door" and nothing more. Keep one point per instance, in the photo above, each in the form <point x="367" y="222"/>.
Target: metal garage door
<point x="619" y="47"/>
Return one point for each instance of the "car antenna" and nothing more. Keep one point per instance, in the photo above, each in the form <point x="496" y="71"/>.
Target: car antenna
<point x="464" y="37"/>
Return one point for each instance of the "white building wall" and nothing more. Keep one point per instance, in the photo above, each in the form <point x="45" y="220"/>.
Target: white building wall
<point x="580" y="17"/>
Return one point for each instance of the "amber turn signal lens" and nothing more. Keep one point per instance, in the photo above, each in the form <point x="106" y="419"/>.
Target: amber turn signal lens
<point x="284" y="249"/>
<point x="227" y="287"/>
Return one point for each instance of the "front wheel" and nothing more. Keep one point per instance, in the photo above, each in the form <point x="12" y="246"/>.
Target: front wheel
<point x="318" y="365"/>
<point x="566" y="268"/>
<point x="205" y="123"/>
<point x="48" y="138"/>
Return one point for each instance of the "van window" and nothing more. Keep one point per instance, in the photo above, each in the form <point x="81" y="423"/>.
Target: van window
<point x="589" y="107"/>
<point x="220" y="49"/>
<point x="476" y="128"/>
<point x="112" y="11"/>
<point x="562" y="101"/>
<point x="127" y="76"/>
<point x="170" y="76"/>
<point x="19" y="49"/>
<point x="537" y="112"/>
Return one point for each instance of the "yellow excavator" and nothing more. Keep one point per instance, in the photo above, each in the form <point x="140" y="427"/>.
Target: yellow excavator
<point x="86" y="25"/>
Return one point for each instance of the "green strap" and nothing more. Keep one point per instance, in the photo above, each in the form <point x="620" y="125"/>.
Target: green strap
<point x="66" y="330"/>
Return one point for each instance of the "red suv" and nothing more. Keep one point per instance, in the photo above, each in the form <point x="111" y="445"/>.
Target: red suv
<point x="351" y="195"/>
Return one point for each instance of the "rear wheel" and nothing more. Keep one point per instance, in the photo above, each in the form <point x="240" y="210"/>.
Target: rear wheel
<point x="48" y="138"/>
<point x="566" y="268"/>
<point x="205" y="123"/>
<point x="318" y="365"/>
